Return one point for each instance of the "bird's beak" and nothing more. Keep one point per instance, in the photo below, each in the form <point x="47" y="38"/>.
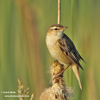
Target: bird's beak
<point x="64" y="27"/>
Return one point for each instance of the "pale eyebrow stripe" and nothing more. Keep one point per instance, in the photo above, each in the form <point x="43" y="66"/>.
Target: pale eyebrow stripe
<point x="54" y="27"/>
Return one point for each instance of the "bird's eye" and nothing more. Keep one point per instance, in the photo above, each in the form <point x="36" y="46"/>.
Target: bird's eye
<point x="56" y="29"/>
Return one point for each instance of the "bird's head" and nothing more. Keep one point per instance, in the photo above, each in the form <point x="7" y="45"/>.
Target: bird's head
<point x="56" y="30"/>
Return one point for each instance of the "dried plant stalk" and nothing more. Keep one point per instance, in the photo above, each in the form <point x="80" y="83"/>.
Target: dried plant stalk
<point x="22" y="92"/>
<point x="58" y="90"/>
<point x="32" y="96"/>
<point x="20" y="89"/>
<point x="59" y="11"/>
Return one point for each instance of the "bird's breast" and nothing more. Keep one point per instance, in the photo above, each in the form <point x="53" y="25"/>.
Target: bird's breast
<point x="56" y="52"/>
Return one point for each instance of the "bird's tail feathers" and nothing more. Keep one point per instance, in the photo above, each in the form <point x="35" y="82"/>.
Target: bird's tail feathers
<point x="75" y="69"/>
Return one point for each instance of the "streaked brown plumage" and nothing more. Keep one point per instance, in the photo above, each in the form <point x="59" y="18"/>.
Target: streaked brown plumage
<point x="62" y="48"/>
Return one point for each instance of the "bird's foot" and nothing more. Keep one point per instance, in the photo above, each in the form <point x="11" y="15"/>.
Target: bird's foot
<point x="61" y="72"/>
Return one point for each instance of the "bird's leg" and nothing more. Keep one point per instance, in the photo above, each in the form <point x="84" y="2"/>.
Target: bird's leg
<point x="61" y="72"/>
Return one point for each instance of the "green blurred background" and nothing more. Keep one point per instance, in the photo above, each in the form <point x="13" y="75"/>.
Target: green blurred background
<point x="23" y="52"/>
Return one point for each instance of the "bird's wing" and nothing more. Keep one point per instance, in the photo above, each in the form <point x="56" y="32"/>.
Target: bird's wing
<point x="68" y="48"/>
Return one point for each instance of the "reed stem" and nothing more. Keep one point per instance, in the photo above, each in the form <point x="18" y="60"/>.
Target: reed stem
<point x="59" y="11"/>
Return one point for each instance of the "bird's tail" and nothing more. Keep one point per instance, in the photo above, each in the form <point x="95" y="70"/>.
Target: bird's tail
<point x="75" y="69"/>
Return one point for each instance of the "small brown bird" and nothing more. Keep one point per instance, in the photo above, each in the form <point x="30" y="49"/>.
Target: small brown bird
<point x="62" y="48"/>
